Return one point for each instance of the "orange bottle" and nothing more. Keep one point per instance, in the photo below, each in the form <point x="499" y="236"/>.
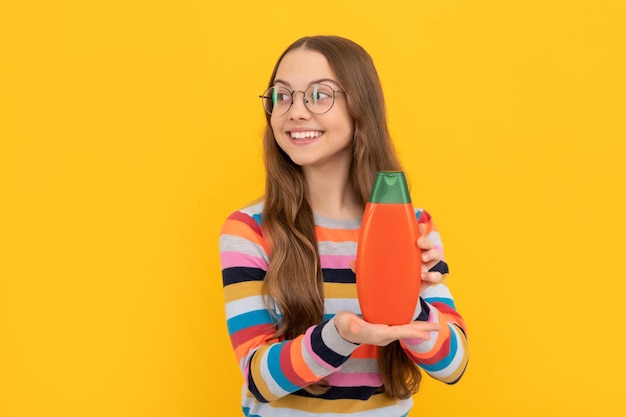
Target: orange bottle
<point x="388" y="262"/>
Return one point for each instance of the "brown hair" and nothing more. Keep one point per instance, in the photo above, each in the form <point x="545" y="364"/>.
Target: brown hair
<point x="294" y="276"/>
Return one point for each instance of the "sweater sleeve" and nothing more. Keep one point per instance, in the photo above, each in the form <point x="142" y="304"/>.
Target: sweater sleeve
<point x="446" y="354"/>
<point x="272" y="368"/>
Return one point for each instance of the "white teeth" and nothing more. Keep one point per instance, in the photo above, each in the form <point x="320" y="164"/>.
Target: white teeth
<point x="305" y="135"/>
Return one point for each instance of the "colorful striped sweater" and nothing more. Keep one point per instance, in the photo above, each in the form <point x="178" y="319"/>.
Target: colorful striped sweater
<point x="275" y="370"/>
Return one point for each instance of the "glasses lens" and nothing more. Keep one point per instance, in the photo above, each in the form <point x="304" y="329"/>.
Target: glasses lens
<point x="319" y="98"/>
<point x="276" y="100"/>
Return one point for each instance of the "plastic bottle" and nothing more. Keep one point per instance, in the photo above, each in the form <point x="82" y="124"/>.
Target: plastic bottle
<point x="388" y="263"/>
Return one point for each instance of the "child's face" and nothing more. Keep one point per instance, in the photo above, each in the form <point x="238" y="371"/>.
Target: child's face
<point x="312" y="140"/>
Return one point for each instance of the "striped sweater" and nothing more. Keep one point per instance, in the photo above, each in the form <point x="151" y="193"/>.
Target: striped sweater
<point x="276" y="370"/>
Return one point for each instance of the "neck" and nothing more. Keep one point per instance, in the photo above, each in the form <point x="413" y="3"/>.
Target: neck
<point x="331" y="194"/>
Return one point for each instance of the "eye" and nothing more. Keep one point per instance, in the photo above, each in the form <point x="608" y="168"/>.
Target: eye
<point x="281" y="96"/>
<point x="320" y="93"/>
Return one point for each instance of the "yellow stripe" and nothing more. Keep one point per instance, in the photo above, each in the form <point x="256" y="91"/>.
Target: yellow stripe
<point x="255" y="370"/>
<point x="242" y="290"/>
<point x="335" y="290"/>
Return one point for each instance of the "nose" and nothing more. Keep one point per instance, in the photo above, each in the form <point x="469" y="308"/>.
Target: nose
<point x="298" y="109"/>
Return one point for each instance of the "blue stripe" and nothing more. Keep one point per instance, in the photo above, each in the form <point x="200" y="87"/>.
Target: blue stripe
<point x="257" y="218"/>
<point x="447" y="301"/>
<point x="448" y="359"/>
<point x="251" y="318"/>
<point x="273" y="363"/>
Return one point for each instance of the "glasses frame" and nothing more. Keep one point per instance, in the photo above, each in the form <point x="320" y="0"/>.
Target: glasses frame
<point x="264" y="96"/>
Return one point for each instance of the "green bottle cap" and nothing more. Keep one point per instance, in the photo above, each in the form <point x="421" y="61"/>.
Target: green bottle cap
<point x="390" y="187"/>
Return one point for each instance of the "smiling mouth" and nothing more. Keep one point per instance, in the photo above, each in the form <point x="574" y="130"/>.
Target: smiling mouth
<point x="308" y="134"/>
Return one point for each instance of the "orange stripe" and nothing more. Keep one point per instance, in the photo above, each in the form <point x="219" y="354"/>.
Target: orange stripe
<point x="244" y="348"/>
<point x="236" y="228"/>
<point x="442" y="336"/>
<point x="336" y="235"/>
<point x="365" y="352"/>
<point x="299" y="365"/>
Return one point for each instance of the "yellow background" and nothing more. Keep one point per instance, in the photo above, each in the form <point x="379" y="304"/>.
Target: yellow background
<point x="130" y="130"/>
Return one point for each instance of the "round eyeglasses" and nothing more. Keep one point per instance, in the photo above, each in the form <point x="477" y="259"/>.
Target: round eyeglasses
<point x="318" y="98"/>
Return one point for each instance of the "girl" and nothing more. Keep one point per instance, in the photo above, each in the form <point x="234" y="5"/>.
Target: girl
<point x="287" y="261"/>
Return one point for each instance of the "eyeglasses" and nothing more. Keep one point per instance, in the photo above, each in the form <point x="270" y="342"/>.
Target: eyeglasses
<point x="318" y="98"/>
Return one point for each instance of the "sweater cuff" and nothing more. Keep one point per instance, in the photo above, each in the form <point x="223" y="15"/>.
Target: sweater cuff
<point x="328" y="345"/>
<point x="334" y="341"/>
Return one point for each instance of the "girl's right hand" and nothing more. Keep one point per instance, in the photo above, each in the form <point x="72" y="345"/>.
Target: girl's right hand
<point x="356" y="330"/>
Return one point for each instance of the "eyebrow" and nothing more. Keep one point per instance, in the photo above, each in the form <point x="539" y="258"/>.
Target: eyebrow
<point x="321" y="80"/>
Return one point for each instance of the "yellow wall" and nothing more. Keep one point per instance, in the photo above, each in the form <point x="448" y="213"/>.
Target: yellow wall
<point x="129" y="130"/>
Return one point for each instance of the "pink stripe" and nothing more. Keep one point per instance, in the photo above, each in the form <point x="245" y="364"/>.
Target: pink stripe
<point x="233" y="259"/>
<point x="412" y="342"/>
<point x="440" y="249"/>
<point x="336" y="261"/>
<point x="313" y="355"/>
<point x="339" y="379"/>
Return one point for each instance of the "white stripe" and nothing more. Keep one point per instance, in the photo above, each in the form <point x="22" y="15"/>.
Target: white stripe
<point x="234" y="243"/>
<point x="274" y="388"/>
<point x="337" y="248"/>
<point x="269" y="409"/>
<point x="335" y="305"/>
<point x="243" y="305"/>
<point x="254" y="209"/>
<point x="311" y="363"/>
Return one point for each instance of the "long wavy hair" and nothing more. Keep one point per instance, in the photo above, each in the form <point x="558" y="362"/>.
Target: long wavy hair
<point x="294" y="276"/>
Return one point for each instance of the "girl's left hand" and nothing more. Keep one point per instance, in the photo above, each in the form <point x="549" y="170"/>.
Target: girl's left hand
<point x="430" y="257"/>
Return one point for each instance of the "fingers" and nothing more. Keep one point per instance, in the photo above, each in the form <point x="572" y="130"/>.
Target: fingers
<point x="356" y="330"/>
<point x="415" y="330"/>
<point x="423" y="242"/>
<point x="432" y="277"/>
<point x="431" y="256"/>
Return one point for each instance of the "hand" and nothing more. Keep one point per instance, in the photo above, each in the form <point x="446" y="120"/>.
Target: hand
<point x="430" y="257"/>
<point x="356" y="330"/>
